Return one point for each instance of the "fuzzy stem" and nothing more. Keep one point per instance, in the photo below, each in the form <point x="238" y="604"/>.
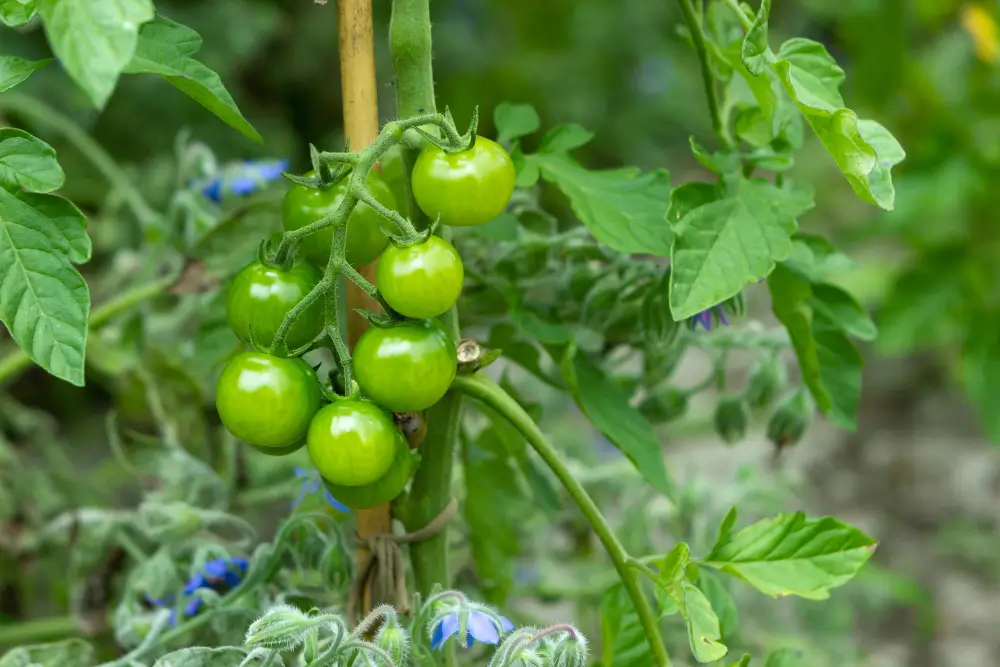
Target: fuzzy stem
<point x="482" y="388"/>
<point x="698" y="37"/>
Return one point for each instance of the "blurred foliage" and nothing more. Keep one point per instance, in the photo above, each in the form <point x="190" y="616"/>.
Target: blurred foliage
<point x="928" y="69"/>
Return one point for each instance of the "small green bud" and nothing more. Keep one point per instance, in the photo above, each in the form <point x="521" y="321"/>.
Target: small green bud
<point x="392" y="639"/>
<point x="281" y="627"/>
<point x="731" y="419"/>
<point x="767" y="378"/>
<point x="570" y="650"/>
<point x="665" y="405"/>
<point x="790" y="419"/>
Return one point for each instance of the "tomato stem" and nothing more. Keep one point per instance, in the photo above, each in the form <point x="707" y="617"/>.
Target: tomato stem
<point x="484" y="389"/>
<point x="698" y="37"/>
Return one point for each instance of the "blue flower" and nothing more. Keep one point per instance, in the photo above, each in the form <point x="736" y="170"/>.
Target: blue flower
<point x="706" y="318"/>
<point x="480" y="628"/>
<point x="243" y="178"/>
<point x="220" y="574"/>
<point x="310" y="485"/>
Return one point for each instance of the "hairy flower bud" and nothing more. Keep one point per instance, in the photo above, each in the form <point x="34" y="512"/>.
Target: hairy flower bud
<point x="790" y="419"/>
<point x="392" y="639"/>
<point x="767" y="378"/>
<point x="731" y="419"/>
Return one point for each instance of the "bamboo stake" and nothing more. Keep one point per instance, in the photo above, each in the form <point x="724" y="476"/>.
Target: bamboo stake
<point x="360" y="93"/>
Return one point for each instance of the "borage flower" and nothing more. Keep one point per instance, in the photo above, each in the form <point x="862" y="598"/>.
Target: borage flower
<point x="243" y="178"/>
<point x="310" y="485"/>
<point x="481" y="627"/>
<point x="707" y="318"/>
<point x="219" y="575"/>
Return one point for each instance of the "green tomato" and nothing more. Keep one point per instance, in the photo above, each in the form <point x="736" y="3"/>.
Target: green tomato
<point x="303" y="206"/>
<point x="262" y="295"/>
<point x="421" y="281"/>
<point x="267" y="401"/>
<point x="405" y="368"/>
<point x="352" y="442"/>
<point x="467" y="188"/>
<point x="382" y="490"/>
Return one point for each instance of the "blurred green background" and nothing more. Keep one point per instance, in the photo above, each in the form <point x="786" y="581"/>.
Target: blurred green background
<point x="919" y="474"/>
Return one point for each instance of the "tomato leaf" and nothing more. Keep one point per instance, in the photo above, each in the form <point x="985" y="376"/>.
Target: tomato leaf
<point x="864" y="150"/>
<point x="14" y="70"/>
<point x="44" y="300"/>
<point x="721" y="600"/>
<point x="817" y="318"/>
<point x="790" y="554"/>
<point x="610" y="412"/>
<point x="565" y="138"/>
<point x="94" y="39"/>
<point x="17" y="13"/>
<point x="622" y="208"/>
<point x="166" y="48"/>
<point x="515" y="120"/>
<point x="28" y="162"/>
<point x="723" y="245"/>
<point x="756" y="54"/>
<point x="624" y="642"/>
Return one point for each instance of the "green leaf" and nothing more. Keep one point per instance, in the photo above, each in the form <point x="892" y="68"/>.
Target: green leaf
<point x="755" y="52"/>
<point x="609" y="410"/>
<point x="722" y="602"/>
<point x="166" y="48"/>
<point x="830" y="364"/>
<point x="94" y="39"/>
<point x="494" y="505"/>
<point x="44" y="300"/>
<point x="785" y="657"/>
<point x="67" y="653"/>
<point x="790" y="554"/>
<point x="742" y="662"/>
<point x="28" y="162"/>
<point x="622" y="208"/>
<point x="671" y="567"/>
<point x="704" y="634"/>
<point x="726" y="164"/>
<point x="564" y="138"/>
<point x="624" y="641"/>
<point x="842" y="309"/>
<point x="685" y="198"/>
<point x="726" y="244"/>
<point x="68" y="233"/>
<point x="515" y="120"/>
<point x="201" y="656"/>
<point x="14" y="70"/>
<point x="17" y="13"/>
<point x="864" y="150"/>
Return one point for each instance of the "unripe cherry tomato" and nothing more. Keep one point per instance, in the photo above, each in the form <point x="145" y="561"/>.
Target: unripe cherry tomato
<point x="382" y="490"/>
<point x="421" y="281"/>
<point x="467" y="188"/>
<point x="352" y="442"/>
<point x="303" y="206"/>
<point x="405" y="368"/>
<point x="262" y="295"/>
<point x="267" y="401"/>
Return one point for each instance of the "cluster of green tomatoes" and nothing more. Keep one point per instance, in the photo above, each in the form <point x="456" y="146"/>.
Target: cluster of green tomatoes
<point x="276" y="404"/>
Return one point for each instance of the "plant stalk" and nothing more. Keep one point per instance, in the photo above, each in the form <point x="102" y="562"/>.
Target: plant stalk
<point x="484" y="389"/>
<point x="411" y="47"/>
<point x="694" y="25"/>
